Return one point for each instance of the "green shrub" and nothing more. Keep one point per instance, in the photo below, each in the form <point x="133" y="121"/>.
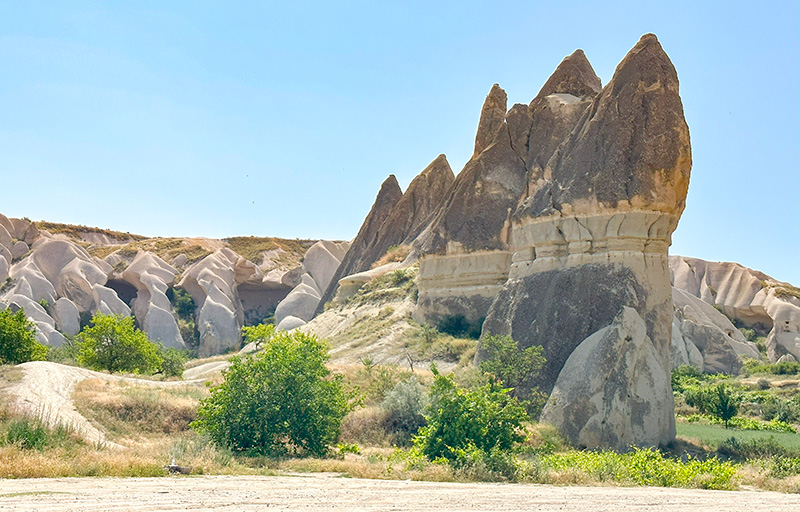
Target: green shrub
<point x="172" y="362"/>
<point x="725" y="403"/>
<point x="645" y="466"/>
<point x="486" y="418"/>
<point x="258" y="334"/>
<point x="114" y="344"/>
<point x="514" y="368"/>
<point x="182" y="302"/>
<point x="281" y="400"/>
<point x="752" y="366"/>
<point x="755" y="449"/>
<point x="404" y="406"/>
<point x="33" y="433"/>
<point x="18" y="339"/>
<point x="684" y="376"/>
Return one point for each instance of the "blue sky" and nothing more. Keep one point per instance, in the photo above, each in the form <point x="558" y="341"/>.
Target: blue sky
<point x="282" y="119"/>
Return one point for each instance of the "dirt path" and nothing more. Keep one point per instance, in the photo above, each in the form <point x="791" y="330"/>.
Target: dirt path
<point x="46" y="390"/>
<point x="324" y="493"/>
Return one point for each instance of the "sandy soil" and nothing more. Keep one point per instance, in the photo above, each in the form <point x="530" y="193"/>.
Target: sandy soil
<point x="327" y="493"/>
<point x="46" y="390"/>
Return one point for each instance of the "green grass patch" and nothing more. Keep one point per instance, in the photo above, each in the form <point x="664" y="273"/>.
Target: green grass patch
<point x="713" y="435"/>
<point x="643" y="467"/>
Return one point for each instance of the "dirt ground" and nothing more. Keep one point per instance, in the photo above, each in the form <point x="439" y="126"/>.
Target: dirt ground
<point x="45" y="389"/>
<point x="324" y="492"/>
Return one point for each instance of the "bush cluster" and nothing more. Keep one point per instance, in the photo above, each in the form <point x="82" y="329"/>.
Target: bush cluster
<point x="280" y="400"/>
<point x="18" y="339"/>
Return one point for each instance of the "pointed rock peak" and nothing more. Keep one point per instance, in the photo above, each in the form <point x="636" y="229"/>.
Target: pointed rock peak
<point x="438" y="165"/>
<point x="493" y="115"/>
<point x="647" y="62"/>
<point x="574" y="76"/>
<point x="389" y="186"/>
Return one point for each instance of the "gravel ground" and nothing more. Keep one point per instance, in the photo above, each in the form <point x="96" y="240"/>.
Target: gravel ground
<point x="324" y="492"/>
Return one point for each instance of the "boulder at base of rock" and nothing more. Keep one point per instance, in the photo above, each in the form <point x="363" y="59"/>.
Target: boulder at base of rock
<point x="289" y="323"/>
<point x="301" y="303"/>
<point x="613" y="391"/>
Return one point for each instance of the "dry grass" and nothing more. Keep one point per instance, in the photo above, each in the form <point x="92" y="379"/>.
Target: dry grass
<point x="374" y="463"/>
<point x="165" y="248"/>
<point x="76" y="232"/>
<point x="188" y="449"/>
<point x="252" y="248"/>
<point x="128" y="412"/>
<point x="395" y="254"/>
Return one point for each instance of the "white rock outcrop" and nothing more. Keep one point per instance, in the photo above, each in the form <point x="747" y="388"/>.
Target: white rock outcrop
<point x="152" y="276"/>
<point x="320" y="264"/>
<point x="211" y="283"/>
<point x="613" y="390"/>
<point x="746" y="295"/>
<point x="705" y="338"/>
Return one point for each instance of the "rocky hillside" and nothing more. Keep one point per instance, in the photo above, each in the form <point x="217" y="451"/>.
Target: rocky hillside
<point x="184" y="292"/>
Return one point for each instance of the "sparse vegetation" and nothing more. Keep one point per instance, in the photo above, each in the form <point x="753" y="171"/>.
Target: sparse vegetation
<point x="392" y="286"/>
<point x="76" y="232"/>
<point x="252" y="248"/>
<point x="165" y="248"/>
<point x="395" y="253"/>
<point x="126" y="411"/>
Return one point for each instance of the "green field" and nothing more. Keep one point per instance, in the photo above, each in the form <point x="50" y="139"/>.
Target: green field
<point x="712" y="435"/>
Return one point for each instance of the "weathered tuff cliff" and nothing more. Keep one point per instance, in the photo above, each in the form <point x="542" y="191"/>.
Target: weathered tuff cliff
<point x="396" y="218"/>
<point x="466" y="251"/>
<point x="749" y="296"/>
<point x="556" y="232"/>
<point x="591" y="246"/>
<point x="63" y="274"/>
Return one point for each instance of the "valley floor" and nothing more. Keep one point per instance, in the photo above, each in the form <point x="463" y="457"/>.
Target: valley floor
<point x="326" y="492"/>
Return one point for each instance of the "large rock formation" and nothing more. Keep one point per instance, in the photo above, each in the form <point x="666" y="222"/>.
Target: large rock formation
<point x="353" y="262"/>
<point x="319" y="266"/>
<point x="152" y="276"/>
<point x="466" y="251"/>
<point x="705" y="338"/>
<point x="60" y="284"/>
<point x="394" y="221"/>
<point x="751" y="297"/>
<point x="590" y="242"/>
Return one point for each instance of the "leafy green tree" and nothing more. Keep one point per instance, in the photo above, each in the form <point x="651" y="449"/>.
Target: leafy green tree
<point x="281" y="400"/>
<point x="724" y="403"/>
<point x="114" y="343"/>
<point x="487" y="419"/>
<point x="18" y="339"/>
<point x="258" y="334"/>
<point x="514" y="368"/>
<point x="172" y="362"/>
